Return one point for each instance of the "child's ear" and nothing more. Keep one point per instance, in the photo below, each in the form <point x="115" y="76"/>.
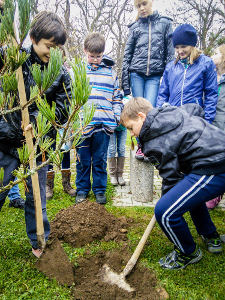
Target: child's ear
<point x="142" y="115"/>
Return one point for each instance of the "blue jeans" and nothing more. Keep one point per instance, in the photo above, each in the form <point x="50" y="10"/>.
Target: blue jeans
<point x="10" y="163"/>
<point x="117" y="144"/>
<point x="14" y="193"/>
<point x="145" y="86"/>
<point x="188" y="195"/>
<point x="92" y="156"/>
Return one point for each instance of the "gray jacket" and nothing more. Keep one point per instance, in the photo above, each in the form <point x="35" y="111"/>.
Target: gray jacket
<point x="219" y="120"/>
<point x="148" y="49"/>
<point x="179" y="141"/>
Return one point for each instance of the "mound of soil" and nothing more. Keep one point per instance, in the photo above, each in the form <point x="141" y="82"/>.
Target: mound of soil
<point x="86" y="222"/>
<point x="89" y="284"/>
<point x="80" y="225"/>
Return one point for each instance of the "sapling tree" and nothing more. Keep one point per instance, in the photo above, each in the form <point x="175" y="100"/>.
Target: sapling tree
<point x="13" y="31"/>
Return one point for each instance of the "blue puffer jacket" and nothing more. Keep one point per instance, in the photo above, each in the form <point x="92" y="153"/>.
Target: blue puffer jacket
<point x="195" y="84"/>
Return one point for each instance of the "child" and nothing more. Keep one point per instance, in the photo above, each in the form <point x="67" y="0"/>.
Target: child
<point x="219" y="121"/>
<point x="181" y="144"/>
<point x="107" y="98"/>
<point x="192" y="77"/>
<point x="46" y="31"/>
<point x="148" y="49"/>
<point x="116" y="153"/>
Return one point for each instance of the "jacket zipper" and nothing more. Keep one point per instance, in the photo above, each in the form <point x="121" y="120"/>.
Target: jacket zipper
<point x="182" y="88"/>
<point x="149" y="47"/>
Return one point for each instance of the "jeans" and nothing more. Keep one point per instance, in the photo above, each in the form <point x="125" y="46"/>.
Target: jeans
<point x="10" y="163"/>
<point x="188" y="195"/>
<point x="14" y="192"/>
<point x="117" y="144"/>
<point x="145" y="86"/>
<point x="92" y="156"/>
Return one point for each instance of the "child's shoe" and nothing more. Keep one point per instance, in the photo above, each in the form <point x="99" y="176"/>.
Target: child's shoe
<point x="17" y="203"/>
<point x="178" y="260"/>
<point x="100" y="198"/>
<point x="213" y="203"/>
<point x="139" y="154"/>
<point x="80" y="197"/>
<point x="213" y="243"/>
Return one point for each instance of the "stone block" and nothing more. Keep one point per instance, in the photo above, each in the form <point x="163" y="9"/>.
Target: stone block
<point x="141" y="179"/>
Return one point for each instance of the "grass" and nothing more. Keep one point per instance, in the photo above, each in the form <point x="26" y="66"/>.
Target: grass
<point x="19" y="279"/>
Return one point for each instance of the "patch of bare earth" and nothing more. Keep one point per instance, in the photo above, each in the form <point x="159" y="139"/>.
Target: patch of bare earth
<point x="83" y="224"/>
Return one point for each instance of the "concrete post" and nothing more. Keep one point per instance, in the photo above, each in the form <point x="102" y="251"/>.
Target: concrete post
<point x="141" y="179"/>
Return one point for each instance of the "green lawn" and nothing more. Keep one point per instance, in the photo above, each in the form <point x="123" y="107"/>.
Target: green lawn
<point x="19" y="278"/>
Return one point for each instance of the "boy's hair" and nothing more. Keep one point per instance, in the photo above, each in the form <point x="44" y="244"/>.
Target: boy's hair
<point x="133" y="107"/>
<point x="94" y="43"/>
<point x="136" y="2"/>
<point x="47" y="25"/>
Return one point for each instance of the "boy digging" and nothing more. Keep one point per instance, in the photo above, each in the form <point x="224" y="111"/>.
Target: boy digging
<point x="181" y="144"/>
<point x="47" y="30"/>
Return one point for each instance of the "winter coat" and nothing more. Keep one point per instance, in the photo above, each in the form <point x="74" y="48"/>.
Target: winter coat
<point x="195" y="84"/>
<point x="219" y="120"/>
<point x="179" y="141"/>
<point x="105" y="96"/>
<point x="11" y="135"/>
<point x="147" y="56"/>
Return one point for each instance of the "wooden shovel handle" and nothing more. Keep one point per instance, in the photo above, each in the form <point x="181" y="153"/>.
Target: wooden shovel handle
<point x="131" y="263"/>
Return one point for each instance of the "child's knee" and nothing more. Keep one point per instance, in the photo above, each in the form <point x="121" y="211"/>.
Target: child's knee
<point x="159" y="211"/>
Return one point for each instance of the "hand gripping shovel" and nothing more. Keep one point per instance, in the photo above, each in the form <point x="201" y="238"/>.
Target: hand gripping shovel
<point x="111" y="277"/>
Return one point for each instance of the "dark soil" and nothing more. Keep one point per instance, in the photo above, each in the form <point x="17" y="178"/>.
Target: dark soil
<point x="80" y="225"/>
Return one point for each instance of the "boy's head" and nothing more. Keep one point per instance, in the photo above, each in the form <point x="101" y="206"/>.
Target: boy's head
<point x="47" y="30"/>
<point x="94" y="47"/>
<point x="134" y="114"/>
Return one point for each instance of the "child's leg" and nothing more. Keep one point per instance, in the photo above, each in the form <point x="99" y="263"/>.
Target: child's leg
<point x="99" y="147"/>
<point x="14" y="192"/>
<point x="30" y="208"/>
<point x="66" y="161"/>
<point x="112" y="145"/>
<point x="83" y="166"/>
<point x="112" y="167"/>
<point x="151" y="88"/>
<point x="9" y="164"/>
<point x="190" y="194"/>
<point x="121" y="142"/>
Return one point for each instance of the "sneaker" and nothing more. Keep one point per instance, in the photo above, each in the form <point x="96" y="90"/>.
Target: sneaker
<point x="213" y="203"/>
<point x="100" y="198"/>
<point x="80" y="197"/>
<point x="213" y="244"/>
<point x="17" y="203"/>
<point x="139" y="155"/>
<point x="178" y="260"/>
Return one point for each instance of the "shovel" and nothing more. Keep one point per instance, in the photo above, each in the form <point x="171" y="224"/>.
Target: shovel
<point x="113" y="278"/>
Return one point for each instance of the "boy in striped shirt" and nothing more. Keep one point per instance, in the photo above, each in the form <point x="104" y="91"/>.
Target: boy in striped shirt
<point x="107" y="98"/>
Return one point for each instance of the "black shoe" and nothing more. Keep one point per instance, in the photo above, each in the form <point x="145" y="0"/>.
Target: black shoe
<point x="213" y="244"/>
<point x="178" y="260"/>
<point x="17" y="203"/>
<point x="80" y="197"/>
<point x="100" y="198"/>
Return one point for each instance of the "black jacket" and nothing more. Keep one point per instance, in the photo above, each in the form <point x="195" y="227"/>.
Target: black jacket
<point x="144" y="56"/>
<point x="11" y="135"/>
<point x="179" y="141"/>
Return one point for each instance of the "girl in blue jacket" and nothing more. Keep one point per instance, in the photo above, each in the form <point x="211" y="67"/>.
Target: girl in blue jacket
<point x="192" y="77"/>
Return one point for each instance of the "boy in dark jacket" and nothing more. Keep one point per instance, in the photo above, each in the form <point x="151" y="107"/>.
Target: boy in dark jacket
<point x="47" y="30"/>
<point x="181" y="145"/>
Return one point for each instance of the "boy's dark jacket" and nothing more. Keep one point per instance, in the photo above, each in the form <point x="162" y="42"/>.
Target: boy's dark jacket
<point x="11" y="136"/>
<point x="138" y="47"/>
<point x="179" y="141"/>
